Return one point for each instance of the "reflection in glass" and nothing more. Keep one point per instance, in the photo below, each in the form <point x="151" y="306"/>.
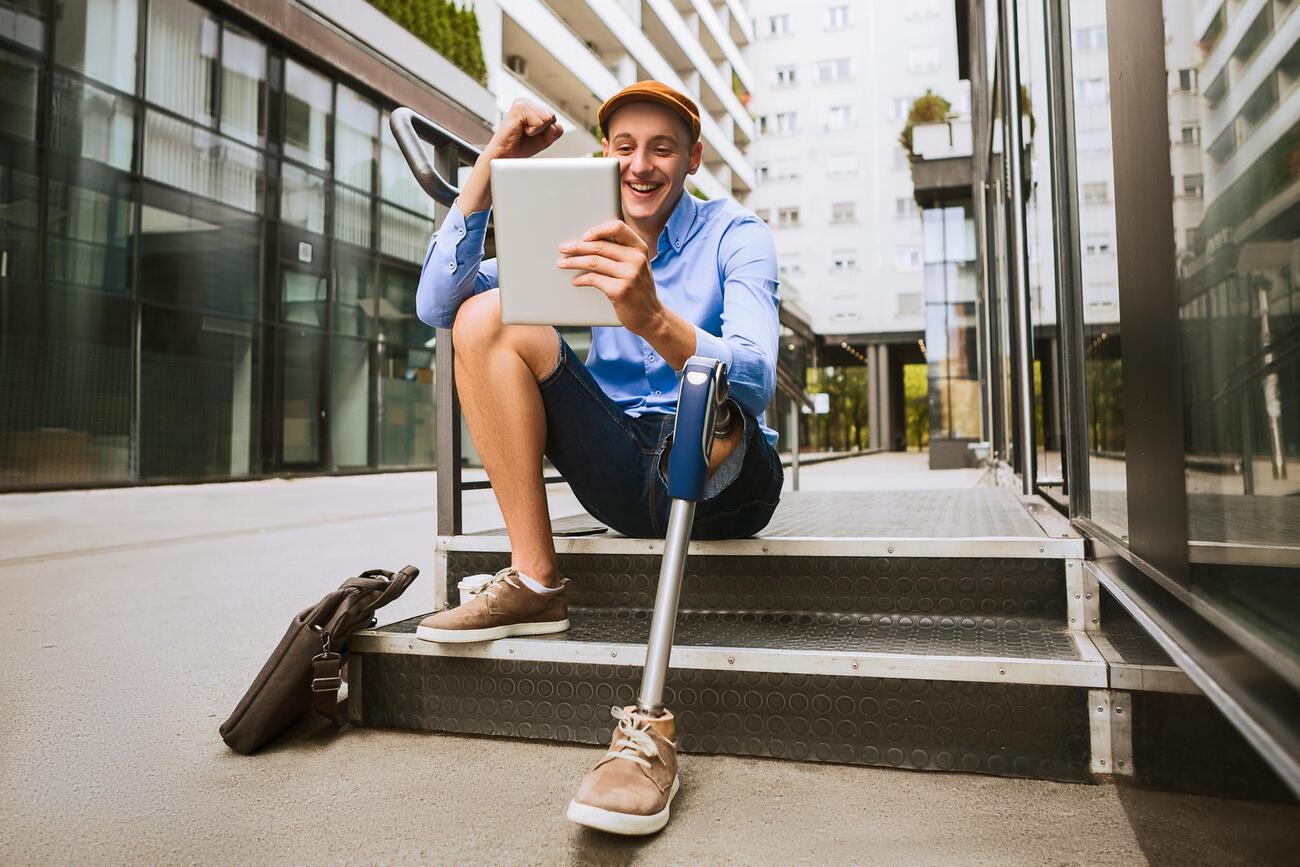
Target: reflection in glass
<point x="356" y="136"/>
<point x="207" y="258"/>
<point x="243" y="87"/>
<point x="397" y="308"/>
<point x="1103" y="371"/>
<point x="352" y="216"/>
<point x="19" y="87"/>
<point x="97" y="38"/>
<point x="24" y="22"/>
<point x="197" y="392"/>
<point x="407" y="408"/>
<point x="356" y="304"/>
<point x="303" y="298"/>
<point x="65" y="387"/>
<point x="183" y="40"/>
<point x="300" y="372"/>
<point x="202" y="162"/>
<point x="19" y="216"/>
<point x="403" y="235"/>
<point x="1234" y="124"/>
<point x="951" y="331"/>
<point x="89" y="238"/>
<point x="306" y="115"/>
<point x="92" y="123"/>
<point x="302" y="199"/>
<point x="350" y="402"/>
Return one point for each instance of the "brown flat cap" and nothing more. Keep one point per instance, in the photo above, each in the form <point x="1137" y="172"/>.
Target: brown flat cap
<point x="652" y="91"/>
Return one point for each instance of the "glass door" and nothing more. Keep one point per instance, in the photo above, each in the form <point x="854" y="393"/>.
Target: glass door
<point x="300" y="374"/>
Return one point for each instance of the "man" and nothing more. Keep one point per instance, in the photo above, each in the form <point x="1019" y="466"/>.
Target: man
<point x="685" y="278"/>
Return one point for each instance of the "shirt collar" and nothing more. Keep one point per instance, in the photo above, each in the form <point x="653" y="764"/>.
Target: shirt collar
<point x="680" y="221"/>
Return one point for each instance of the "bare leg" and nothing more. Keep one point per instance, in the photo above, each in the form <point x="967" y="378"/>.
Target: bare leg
<point x="497" y="371"/>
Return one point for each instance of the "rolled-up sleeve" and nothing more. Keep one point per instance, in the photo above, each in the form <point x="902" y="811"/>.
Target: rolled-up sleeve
<point x="454" y="268"/>
<point x="750" y="326"/>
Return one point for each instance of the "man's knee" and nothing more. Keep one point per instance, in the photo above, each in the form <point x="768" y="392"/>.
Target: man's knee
<point x="478" y="322"/>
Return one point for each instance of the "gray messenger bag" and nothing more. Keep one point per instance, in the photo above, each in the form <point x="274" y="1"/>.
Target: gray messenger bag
<point x="305" y="672"/>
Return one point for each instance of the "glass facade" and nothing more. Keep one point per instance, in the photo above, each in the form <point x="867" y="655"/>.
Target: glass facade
<point x="951" y="332"/>
<point x="1234" y="122"/>
<point x="209" y="255"/>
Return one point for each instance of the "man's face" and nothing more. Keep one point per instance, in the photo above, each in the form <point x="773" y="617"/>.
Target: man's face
<point x="655" y="154"/>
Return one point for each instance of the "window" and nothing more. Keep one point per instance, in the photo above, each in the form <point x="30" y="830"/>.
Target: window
<point x="922" y="8"/>
<point x="837" y="18"/>
<point x="778" y="25"/>
<point x="843" y="261"/>
<point x="907" y="258"/>
<point x="904" y="206"/>
<point x="923" y="58"/>
<point x="787" y="217"/>
<point x="1091" y="90"/>
<point x="1098" y="245"/>
<point x="788" y="265"/>
<point x="307" y="106"/>
<point x="1190" y="134"/>
<point x="784" y="123"/>
<point x="764" y="214"/>
<point x="1090" y="39"/>
<point x="1193" y="185"/>
<point x="762" y="171"/>
<point x="97" y="37"/>
<point x="840" y="117"/>
<point x="842" y="164"/>
<point x="183" y="41"/>
<point x="762" y="124"/>
<point x="1096" y="193"/>
<point x="899" y="106"/>
<point x="833" y="70"/>
<point x="1186" y="80"/>
<point x="784" y="76"/>
<point x="842" y="212"/>
<point x="787" y="170"/>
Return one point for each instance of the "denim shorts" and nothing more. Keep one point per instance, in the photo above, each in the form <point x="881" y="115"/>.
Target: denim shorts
<point x="611" y="461"/>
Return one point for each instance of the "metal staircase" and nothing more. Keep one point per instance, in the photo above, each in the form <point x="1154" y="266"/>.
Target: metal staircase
<point x="934" y="630"/>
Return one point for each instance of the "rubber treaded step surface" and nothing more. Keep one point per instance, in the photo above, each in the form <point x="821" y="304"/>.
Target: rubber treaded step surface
<point x="955" y="587"/>
<point x="926" y="636"/>
<point x="964" y="513"/>
<point x="993" y="728"/>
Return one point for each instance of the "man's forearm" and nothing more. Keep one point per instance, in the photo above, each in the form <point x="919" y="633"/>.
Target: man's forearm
<point x="673" y="338"/>
<point x="476" y="195"/>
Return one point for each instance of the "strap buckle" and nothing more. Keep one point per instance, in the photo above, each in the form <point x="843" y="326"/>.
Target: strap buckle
<point x="332" y="682"/>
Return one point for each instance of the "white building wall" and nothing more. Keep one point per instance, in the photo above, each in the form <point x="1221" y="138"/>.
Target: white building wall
<point x="896" y="50"/>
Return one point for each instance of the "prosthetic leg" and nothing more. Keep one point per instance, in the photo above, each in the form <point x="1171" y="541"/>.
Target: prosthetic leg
<point x="704" y="389"/>
<point x="632" y="787"/>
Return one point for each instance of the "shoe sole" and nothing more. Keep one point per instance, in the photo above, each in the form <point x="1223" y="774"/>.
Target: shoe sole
<point x="489" y="633"/>
<point x="627" y="824"/>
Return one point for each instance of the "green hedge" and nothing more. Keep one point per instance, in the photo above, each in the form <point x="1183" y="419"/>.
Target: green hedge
<point x="450" y="30"/>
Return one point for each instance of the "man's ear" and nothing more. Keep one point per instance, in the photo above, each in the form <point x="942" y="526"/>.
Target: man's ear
<point x="697" y="154"/>
<point x="604" y="147"/>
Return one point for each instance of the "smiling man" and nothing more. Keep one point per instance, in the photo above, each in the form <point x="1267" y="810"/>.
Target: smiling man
<point x="685" y="278"/>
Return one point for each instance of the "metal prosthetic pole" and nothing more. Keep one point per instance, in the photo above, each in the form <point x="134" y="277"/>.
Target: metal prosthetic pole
<point x="704" y="387"/>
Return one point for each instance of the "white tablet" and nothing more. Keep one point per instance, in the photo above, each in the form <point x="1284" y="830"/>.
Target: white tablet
<point x="537" y="204"/>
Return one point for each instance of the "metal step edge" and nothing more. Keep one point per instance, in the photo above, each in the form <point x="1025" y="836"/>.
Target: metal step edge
<point x="1140" y="677"/>
<point x="1087" y="671"/>
<point x="799" y="546"/>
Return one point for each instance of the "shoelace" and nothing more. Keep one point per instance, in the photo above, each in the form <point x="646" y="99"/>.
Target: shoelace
<point x="635" y="744"/>
<point x="502" y="577"/>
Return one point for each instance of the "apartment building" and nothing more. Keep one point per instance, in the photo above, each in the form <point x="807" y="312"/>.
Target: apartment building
<point x="834" y="82"/>
<point x="573" y="54"/>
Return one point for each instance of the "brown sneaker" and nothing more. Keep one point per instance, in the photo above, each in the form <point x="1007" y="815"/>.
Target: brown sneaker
<point x="629" y="790"/>
<point x="500" y="608"/>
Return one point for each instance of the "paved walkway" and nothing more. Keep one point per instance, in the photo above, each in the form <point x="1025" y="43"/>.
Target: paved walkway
<point x="134" y="619"/>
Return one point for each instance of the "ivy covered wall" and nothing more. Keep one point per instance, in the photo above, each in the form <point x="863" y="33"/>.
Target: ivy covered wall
<point x="444" y="26"/>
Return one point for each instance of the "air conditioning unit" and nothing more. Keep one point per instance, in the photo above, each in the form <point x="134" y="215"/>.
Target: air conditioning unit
<point x="516" y="64"/>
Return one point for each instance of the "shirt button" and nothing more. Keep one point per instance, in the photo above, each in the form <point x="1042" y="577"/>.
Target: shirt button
<point x="451" y="267"/>
<point x="460" y="230"/>
<point x="650" y="358"/>
<point x="657" y="391"/>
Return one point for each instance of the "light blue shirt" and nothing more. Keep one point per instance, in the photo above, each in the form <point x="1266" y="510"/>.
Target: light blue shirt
<point x="715" y="267"/>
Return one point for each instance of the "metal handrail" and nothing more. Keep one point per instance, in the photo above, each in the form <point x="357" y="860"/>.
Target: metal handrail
<point x="412" y="131"/>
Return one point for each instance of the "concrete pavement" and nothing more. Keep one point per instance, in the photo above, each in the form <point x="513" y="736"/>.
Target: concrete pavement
<point x="134" y="619"/>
